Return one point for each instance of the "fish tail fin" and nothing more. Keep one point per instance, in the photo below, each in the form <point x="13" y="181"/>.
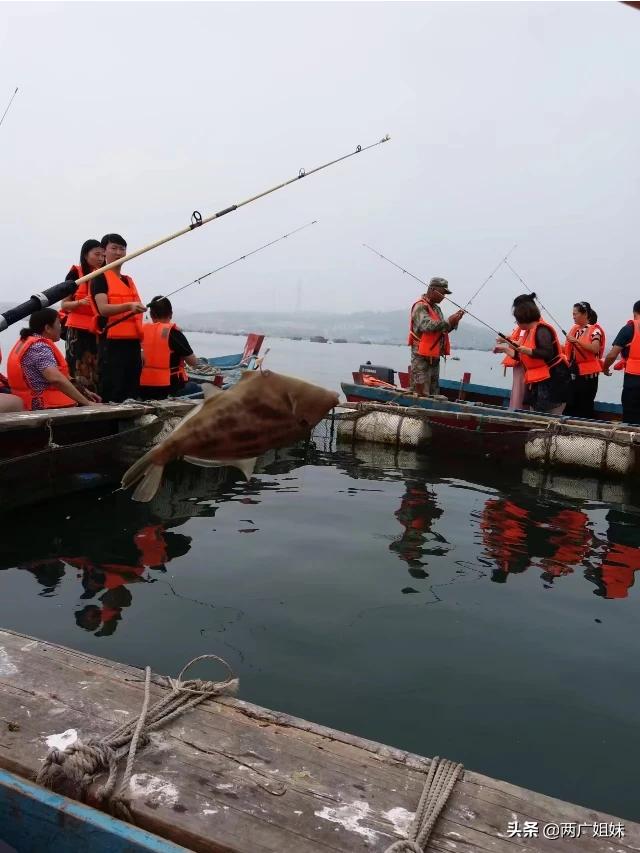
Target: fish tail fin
<point x="150" y="474"/>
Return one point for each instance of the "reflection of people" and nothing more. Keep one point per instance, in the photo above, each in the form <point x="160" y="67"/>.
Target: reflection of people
<point x="429" y="337"/>
<point x="571" y="541"/>
<point x="504" y="535"/>
<point x="418" y="510"/>
<point x="621" y="560"/>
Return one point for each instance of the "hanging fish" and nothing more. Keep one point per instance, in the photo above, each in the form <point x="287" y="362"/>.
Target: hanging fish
<point x="263" y="411"/>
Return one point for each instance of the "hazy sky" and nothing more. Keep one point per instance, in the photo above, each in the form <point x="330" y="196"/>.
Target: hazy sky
<point x="510" y="123"/>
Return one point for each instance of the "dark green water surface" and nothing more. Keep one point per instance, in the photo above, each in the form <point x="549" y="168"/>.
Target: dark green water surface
<point x="459" y="612"/>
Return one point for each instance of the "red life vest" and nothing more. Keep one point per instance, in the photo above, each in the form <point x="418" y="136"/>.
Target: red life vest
<point x="83" y="317"/>
<point x="4" y="382"/>
<point x="632" y="364"/>
<point x="517" y="336"/>
<point x="572" y="540"/>
<point x="618" y="569"/>
<point x="119" y="294"/>
<point x="504" y="532"/>
<point x="588" y="362"/>
<point x="151" y="544"/>
<point x="51" y="398"/>
<point x="157" y="371"/>
<point x="429" y="343"/>
<point x="537" y="369"/>
<point x="603" y="340"/>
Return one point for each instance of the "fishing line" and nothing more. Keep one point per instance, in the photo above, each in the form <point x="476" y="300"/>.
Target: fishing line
<point x="487" y="280"/>
<point x="8" y="106"/>
<point x="448" y="298"/>
<point x="536" y="297"/>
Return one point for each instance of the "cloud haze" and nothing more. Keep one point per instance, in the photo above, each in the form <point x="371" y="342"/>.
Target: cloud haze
<point x="510" y="123"/>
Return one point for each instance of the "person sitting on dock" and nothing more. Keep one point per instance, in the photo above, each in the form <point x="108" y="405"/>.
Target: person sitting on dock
<point x="8" y="402"/>
<point x="627" y="344"/>
<point x="429" y="337"/>
<point x="120" y="326"/>
<point x="165" y="351"/>
<point x="38" y="372"/>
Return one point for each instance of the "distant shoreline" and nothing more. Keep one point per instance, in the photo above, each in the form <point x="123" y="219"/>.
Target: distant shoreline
<point x="307" y="339"/>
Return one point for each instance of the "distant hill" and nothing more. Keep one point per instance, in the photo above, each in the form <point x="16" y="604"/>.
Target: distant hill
<point x="389" y="327"/>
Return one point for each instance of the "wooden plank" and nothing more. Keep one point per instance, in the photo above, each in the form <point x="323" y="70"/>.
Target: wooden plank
<point x="80" y="414"/>
<point x="33" y="818"/>
<point x="231" y="776"/>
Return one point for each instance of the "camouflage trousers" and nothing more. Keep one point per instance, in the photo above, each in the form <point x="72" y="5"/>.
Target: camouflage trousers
<point x="425" y="372"/>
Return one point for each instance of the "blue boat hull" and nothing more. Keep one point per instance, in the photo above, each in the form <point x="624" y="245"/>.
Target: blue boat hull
<point x="34" y="819"/>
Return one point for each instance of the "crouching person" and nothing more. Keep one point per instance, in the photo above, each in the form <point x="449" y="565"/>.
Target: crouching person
<point x="165" y="350"/>
<point x="38" y="372"/>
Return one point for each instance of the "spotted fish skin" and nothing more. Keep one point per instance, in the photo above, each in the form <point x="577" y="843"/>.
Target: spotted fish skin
<point x="263" y="411"/>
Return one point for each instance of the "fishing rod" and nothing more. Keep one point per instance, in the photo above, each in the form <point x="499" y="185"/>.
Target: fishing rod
<point x="213" y="272"/>
<point x="60" y="291"/>
<point x="536" y="297"/>
<point x="8" y="106"/>
<point x="448" y="298"/>
<point x="487" y="280"/>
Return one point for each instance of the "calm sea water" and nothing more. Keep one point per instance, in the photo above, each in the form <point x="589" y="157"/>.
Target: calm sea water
<point x="481" y="614"/>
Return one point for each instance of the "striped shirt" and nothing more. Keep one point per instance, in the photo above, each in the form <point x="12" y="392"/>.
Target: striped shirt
<point x="36" y="359"/>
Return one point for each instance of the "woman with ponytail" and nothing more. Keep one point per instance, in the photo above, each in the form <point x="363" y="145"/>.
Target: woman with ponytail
<point x="81" y="319"/>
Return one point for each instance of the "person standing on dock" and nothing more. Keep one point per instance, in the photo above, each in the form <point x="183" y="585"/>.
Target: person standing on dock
<point x="165" y="352"/>
<point x="429" y="337"/>
<point x="516" y="401"/>
<point x="81" y="340"/>
<point x="627" y="344"/>
<point x="120" y="326"/>
<point x="546" y="370"/>
<point x="584" y="346"/>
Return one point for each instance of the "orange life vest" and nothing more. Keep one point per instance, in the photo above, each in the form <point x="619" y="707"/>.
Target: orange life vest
<point x="603" y="340"/>
<point x="51" y="398"/>
<point x="632" y="364"/>
<point x="618" y="569"/>
<point x="151" y="544"/>
<point x="119" y="294"/>
<point x="588" y="362"/>
<point x="517" y="336"/>
<point x="83" y="317"/>
<point x="430" y="344"/>
<point x="537" y="369"/>
<point x="4" y="382"/>
<point x="157" y="371"/>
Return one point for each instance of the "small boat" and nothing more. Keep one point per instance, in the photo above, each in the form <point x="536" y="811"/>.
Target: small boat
<point x="379" y="412"/>
<point x="376" y="383"/>
<point x="318" y="339"/>
<point x="54" y="452"/>
<point x="34" y="818"/>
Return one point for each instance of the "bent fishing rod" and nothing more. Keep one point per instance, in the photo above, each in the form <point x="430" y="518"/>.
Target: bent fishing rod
<point x="536" y="297"/>
<point x="128" y="316"/>
<point x="448" y="298"/>
<point x="8" y="106"/>
<point x="67" y="288"/>
<point x="487" y="280"/>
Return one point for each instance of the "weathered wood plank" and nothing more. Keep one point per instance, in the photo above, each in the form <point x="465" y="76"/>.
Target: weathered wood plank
<point x="231" y="776"/>
<point x="98" y="412"/>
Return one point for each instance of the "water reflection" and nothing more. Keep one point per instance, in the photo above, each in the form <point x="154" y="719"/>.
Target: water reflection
<point x="417" y="512"/>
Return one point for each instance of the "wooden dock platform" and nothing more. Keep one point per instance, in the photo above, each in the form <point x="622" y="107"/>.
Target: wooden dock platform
<point x="230" y="776"/>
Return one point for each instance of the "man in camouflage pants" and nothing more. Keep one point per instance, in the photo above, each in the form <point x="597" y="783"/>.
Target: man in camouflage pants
<point x="425" y="372"/>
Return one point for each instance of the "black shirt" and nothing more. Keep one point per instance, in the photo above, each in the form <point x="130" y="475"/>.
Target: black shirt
<point x="623" y="339"/>
<point x="179" y="349"/>
<point x="99" y="285"/>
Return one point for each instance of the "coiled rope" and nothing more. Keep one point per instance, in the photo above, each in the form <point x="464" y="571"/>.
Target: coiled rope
<point x="71" y="771"/>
